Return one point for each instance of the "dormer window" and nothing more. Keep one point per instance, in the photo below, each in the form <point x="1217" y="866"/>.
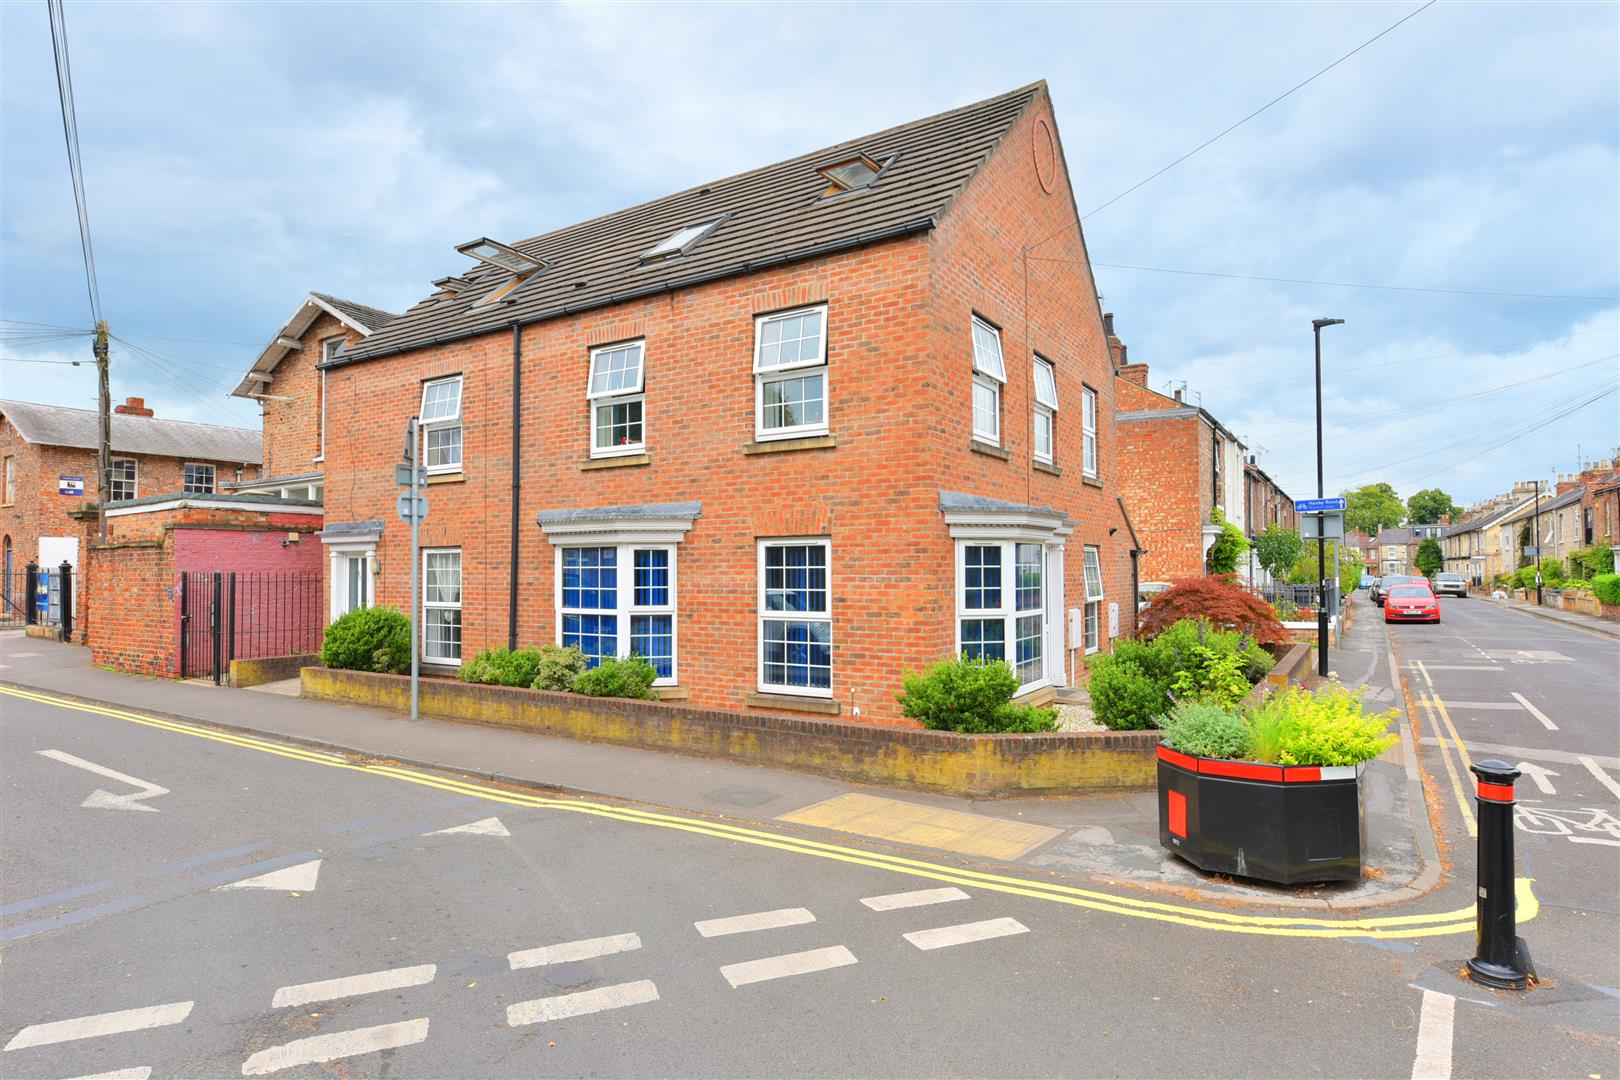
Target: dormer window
<point x="851" y="175"/>
<point x="683" y="241"/>
<point x="500" y="255"/>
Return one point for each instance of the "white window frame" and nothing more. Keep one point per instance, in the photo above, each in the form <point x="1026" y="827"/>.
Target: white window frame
<point x="764" y="375"/>
<point x="440" y="605"/>
<point x="1092" y="629"/>
<point x="989" y="374"/>
<point x="1045" y="411"/>
<point x="607" y="399"/>
<point x="444" y="423"/>
<point x="1088" y="430"/>
<point x="339" y="557"/>
<point x="134" y="478"/>
<point x="625" y="608"/>
<point x="1008" y="613"/>
<point x="795" y="616"/>
<point x="329" y="348"/>
<point x="185" y="484"/>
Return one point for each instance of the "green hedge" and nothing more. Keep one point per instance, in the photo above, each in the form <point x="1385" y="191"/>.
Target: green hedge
<point x="631" y="677"/>
<point x="1606" y="587"/>
<point x="970" y="695"/>
<point x="369" y="639"/>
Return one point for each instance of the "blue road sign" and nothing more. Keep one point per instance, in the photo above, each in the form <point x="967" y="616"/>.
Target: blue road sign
<point x="1317" y="506"/>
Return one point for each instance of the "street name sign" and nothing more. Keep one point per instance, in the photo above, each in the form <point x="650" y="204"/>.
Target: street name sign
<point x="411" y="506"/>
<point x="1318" y="506"/>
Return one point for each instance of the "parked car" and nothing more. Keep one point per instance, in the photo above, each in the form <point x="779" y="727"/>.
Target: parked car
<point x="1413" y="601"/>
<point x="1367" y="581"/>
<point x="1381" y="587"/>
<point x="1450" y="585"/>
<point x="1147" y="590"/>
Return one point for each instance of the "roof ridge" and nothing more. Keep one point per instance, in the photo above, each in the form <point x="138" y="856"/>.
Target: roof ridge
<point x="133" y="416"/>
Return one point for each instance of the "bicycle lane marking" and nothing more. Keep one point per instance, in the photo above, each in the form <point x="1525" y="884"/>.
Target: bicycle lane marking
<point x="1460" y="921"/>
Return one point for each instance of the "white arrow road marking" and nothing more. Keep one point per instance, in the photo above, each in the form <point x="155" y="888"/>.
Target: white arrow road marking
<point x="300" y="878"/>
<point x="106" y="800"/>
<point x="90" y="1027"/>
<point x="1604" y="778"/>
<point x="339" y="1044"/>
<point x="354" y="985"/>
<point x="490" y="826"/>
<point x="1435" y="1023"/>
<point x="1535" y="712"/>
<point x="1539" y="774"/>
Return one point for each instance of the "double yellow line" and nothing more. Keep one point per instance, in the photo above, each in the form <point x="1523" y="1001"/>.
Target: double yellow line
<point x="1436" y="709"/>
<point x="1388" y="927"/>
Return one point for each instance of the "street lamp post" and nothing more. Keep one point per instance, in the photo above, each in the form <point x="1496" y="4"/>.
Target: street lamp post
<point x="1321" y="540"/>
<point x="1535" y="539"/>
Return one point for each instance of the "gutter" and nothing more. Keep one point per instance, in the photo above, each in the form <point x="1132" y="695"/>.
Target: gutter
<point x="891" y="233"/>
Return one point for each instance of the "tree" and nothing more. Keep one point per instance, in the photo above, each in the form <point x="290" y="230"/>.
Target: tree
<point x="1373" y="508"/>
<point x="1229" y="548"/>
<point x="1278" y="549"/>
<point x="1429" y="557"/>
<point x="1428" y="506"/>
<point x="1306" y="573"/>
<point x="1227" y="605"/>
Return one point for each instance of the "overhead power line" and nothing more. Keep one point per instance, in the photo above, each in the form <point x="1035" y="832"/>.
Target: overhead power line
<point x="1344" y="284"/>
<point x="70" y="133"/>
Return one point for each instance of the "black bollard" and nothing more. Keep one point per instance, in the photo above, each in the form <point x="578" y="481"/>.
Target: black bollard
<point x="1501" y="958"/>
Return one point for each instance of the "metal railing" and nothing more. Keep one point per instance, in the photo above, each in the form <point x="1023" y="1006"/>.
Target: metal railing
<point x="236" y="615"/>
<point x="1300" y="596"/>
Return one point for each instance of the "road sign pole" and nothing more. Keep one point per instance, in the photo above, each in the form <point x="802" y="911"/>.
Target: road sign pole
<point x="414" y="458"/>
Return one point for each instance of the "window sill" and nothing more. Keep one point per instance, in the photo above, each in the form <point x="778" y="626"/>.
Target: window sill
<point x="794" y="703"/>
<point x="672" y="693"/>
<point x="782" y="446"/>
<point x="446" y="478"/>
<point x="1091" y="481"/>
<point x="1048" y="467"/>
<point x="989" y="449"/>
<point x="623" y="462"/>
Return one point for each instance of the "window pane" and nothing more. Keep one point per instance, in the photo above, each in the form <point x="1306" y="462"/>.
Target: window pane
<point x="796" y="578"/>
<point x="984" y="639"/>
<point x="590" y="578"/>
<point x="596" y="635"/>
<point x="1093" y="609"/>
<point x="981" y="577"/>
<point x="618" y="423"/>
<point x="1029" y="632"/>
<point x="1029" y="577"/>
<point x="441" y="400"/>
<point x="987" y="351"/>
<point x="443" y="447"/>
<point x="652" y="637"/>
<point x="1088" y="412"/>
<point x="794" y="402"/>
<point x="442" y="634"/>
<point x="987" y="410"/>
<point x="1091" y="453"/>
<point x="1043" y="434"/>
<point x="441" y="578"/>
<point x="1045" y="384"/>
<point x="198" y="480"/>
<point x="798" y="653"/>
<point x="617" y="370"/>
<point x="791" y="340"/>
<point x="652" y="579"/>
<point x="1094" y="581"/>
<point x="123" y="479"/>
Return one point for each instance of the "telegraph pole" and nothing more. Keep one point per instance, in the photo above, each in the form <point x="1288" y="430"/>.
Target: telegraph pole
<point x="104" y="448"/>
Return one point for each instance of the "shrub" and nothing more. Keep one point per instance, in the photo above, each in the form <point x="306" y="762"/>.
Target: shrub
<point x="631" y="677"/>
<point x="1552" y="571"/>
<point x="1278" y="549"/>
<point x="1223" y="603"/>
<point x="972" y="695"/>
<point x="1196" y="727"/>
<point x="369" y="639"/>
<point x="501" y="667"/>
<point x="1607" y="588"/>
<point x="1124" y="697"/>
<point x="560" y="666"/>
<point x="1229" y="548"/>
<point x="1191" y="660"/>
<point x="1328" y="727"/>
<point x="1589" y="562"/>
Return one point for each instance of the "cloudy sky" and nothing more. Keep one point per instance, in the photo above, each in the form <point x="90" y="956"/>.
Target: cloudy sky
<point x="239" y="155"/>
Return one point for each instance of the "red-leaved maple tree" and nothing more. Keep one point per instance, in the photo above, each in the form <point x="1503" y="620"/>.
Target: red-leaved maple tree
<point x="1218" y="599"/>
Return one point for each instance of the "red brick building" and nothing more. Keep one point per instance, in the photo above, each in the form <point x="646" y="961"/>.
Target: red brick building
<point x="48" y="454"/>
<point x="788" y="434"/>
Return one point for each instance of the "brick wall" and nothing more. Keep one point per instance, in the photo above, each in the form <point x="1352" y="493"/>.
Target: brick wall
<point x="899" y="377"/>
<point x="292" y="427"/>
<point x="132" y="627"/>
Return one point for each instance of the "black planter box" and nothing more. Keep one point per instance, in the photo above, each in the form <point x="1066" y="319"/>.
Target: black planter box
<point x="1289" y="824"/>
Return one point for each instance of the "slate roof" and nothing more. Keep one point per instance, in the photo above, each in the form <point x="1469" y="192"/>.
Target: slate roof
<point x="372" y="318"/>
<point x="776" y="215"/>
<point x="363" y="318"/>
<point x="1402" y="535"/>
<point x="58" y="425"/>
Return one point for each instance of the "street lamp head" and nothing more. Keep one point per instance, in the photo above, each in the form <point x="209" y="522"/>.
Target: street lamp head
<point x="1319" y="323"/>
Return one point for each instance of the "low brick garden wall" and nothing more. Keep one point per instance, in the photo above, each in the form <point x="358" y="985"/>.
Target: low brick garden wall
<point x="1065" y="763"/>
<point x="267" y="669"/>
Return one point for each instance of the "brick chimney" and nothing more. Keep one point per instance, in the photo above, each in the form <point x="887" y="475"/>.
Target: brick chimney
<point x="1116" y="347"/>
<point x="134" y="406"/>
<point x="1136" y="373"/>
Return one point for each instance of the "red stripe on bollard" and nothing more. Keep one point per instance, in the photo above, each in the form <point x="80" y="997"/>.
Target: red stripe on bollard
<point x="1496" y="792"/>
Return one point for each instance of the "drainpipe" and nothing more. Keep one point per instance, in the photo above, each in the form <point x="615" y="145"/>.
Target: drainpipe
<point x="517" y="483"/>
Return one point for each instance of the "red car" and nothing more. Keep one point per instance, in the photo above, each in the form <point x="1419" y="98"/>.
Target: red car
<point x="1411" y="603"/>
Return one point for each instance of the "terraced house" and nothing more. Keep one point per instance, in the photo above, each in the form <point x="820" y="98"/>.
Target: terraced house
<point x="787" y="434"/>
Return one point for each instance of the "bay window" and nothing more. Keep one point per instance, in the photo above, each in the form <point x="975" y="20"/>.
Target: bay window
<point x="790" y="374"/>
<point x="989" y="373"/>
<point x="1046" y="403"/>
<point x="795" y="617"/>
<point x="441" y="425"/>
<point x="1001" y="605"/>
<point x="616" y="399"/>
<point x="618" y="600"/>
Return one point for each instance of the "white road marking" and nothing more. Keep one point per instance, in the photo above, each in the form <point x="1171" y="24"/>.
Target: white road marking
<point x="946" y="936"/>
<point x="490" y="826"/>
<point x="90" y="1027"/>
<point x="920" y="898"/>
<point x="1604" y="778"/>
<point x="139" y="1072"/>
<point x="1593" y="840"/>
<point x="106" y="800"/>
<point x="1460" y="667"/>
<point x="759" y="920"/>
<point x="1476" y="706"/>
<point x="1539" y="774"/>
<point x="339" y="1044"/>
<point x="1433" y="1061"/>
<point x="1535" y="712"/>
<point x="573" y="950"/>
<point x="300" y="878"/>
<point x="583" y="1003"/>
<point x="353" y="985"/>
<point x="782" y="967"/>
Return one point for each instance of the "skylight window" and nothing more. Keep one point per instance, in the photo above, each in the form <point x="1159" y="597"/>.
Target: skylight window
<point x="497" y="254"/>
<point x="683" y="241"/>
<point x="851" y="175"/>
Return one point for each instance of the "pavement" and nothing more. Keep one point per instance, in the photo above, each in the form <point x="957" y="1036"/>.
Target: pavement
<point x="1590" y="623"/>
<point x="281" y="910"/>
